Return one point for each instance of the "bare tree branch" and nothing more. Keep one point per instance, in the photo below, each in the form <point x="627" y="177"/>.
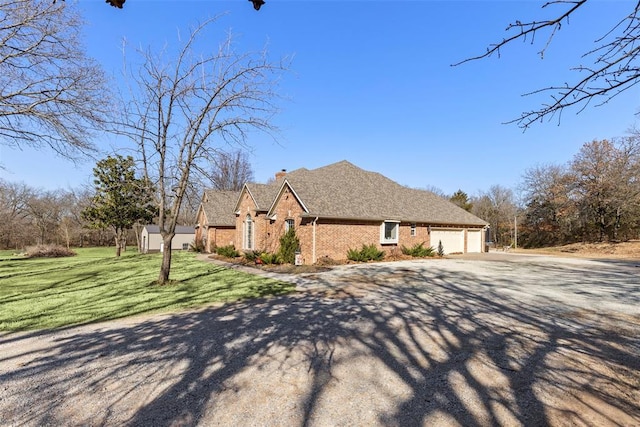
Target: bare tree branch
<point x="615" y="66"/>
<point x="51" y="93"/>
<point x="184" y="109"/>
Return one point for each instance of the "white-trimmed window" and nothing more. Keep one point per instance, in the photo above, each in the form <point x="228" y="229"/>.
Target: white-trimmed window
<point x="248" y="233"/>
<point x="413" y="230"/>
<point x="389" y="231"/>
<point x="289" y="224"/>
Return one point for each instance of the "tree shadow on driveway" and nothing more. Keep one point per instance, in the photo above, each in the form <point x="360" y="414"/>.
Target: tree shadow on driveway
<point x="380" y="346"/>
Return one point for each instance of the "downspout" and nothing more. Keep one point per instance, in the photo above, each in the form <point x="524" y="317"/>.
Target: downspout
<point x="313" y="249"/>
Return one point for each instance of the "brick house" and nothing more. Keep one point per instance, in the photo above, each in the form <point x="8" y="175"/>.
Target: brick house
<point x="340" y="207"/>
<point x="215" y="220"/>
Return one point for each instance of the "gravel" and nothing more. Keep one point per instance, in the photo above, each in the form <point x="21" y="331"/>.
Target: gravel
<point x="498" y="340"/>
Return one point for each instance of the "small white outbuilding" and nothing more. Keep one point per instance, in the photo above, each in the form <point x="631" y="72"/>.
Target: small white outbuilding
<point x="151" y="240"/>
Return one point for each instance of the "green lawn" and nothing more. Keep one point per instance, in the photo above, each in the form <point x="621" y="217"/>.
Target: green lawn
<point x="95" y="286"/>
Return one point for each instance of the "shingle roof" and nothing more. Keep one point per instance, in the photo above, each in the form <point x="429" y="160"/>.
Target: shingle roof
<point x="218" y="207"/>
<point x="180" y="229"/>
<point x="343" y="190"/>
<point x="263" y="194"/>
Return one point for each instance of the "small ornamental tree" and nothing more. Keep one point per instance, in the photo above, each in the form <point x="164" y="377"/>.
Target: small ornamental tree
<point x="289" y="244"/>
<point x="440" y="249"/>
<point x="120" y="198"/>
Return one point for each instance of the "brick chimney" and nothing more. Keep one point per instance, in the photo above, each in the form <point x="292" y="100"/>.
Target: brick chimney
<point x="281" y="174"/>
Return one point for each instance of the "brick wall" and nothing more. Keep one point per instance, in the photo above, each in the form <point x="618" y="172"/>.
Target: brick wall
<point x="288" y="207"/>
<point x="334" y="238"/>
<point x="220" y="236"/>
<point x="260" y="224"/>
<point x="422" y="235"/>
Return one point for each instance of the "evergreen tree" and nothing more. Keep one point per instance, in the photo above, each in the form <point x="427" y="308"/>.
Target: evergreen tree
<point x="120" y="198"/>
<point x="289" y="244"/>
<point x="461" y="199"/>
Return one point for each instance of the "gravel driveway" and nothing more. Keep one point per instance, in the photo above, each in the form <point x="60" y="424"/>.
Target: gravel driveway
<point x="499" y="340"/>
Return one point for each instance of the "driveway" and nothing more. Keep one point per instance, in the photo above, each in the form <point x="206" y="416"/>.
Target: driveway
<point x="511" y="341"/>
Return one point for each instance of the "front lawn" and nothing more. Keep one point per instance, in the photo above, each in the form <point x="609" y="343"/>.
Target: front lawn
<point x="95" y="286"/>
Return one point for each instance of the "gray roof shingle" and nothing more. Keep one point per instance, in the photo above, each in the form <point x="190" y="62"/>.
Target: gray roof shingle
<point x="342" y="190"/>
<point x="218" y="207"/>
<point x="263" y="194"/>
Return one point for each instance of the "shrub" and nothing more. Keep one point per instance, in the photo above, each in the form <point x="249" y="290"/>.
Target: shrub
<point x="252" y="255"/>
<point x="418" y="250"/>
<point x="372" y="253"/>
<point x="289" y="244"/>
<point x="366" y="253"/>
<point x="49" y="251"/>
<point x="268" y="258"/>
<point x="196" y="246"/>
<point x="228" y="251"/>
<point x="354" y="255"/>
<point x="440" y="249"/>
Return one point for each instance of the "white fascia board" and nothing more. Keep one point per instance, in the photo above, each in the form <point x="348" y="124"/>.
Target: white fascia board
<point x="286" y="183"/>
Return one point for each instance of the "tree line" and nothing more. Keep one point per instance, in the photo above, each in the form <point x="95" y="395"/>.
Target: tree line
<point x="115" y="208"/>
<point x="32" y="216"/>
<point x="593" y="197"/>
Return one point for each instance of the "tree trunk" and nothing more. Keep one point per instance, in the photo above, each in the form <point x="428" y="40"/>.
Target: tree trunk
<point x="137" y="230"/>
<point x="118" y="242"/>
<point x="165" y="268"/>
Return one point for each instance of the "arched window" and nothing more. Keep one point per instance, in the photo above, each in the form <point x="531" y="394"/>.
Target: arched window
<point x="248" y="232"/>
<point x="289" y="224"/>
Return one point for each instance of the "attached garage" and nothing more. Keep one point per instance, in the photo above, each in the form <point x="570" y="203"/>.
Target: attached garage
<point x="474" y="241"/>
<point x="452" y="239"/>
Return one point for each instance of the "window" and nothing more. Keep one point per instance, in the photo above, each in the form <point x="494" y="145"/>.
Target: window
<point x="413" y="230"/>
<point x="185" y="246"/>
<point x="289" y="224"/>
<point x="389" y="232"/>
<point x="248" y="232"/>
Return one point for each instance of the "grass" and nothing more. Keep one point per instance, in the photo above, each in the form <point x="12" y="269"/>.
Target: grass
<point x="95" y="286"/>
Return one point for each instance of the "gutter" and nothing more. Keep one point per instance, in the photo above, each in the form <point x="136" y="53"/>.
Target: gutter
<point x="313" y="248"/>
<point x="378" y="219"/>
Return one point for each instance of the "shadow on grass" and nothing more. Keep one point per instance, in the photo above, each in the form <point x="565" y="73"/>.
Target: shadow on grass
<point x="384" y="347"/>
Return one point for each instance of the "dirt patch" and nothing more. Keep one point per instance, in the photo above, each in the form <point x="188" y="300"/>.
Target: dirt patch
<point x="609" y="250"/>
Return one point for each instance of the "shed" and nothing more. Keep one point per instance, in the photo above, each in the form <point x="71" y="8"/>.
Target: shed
<point x="151" y="240"/>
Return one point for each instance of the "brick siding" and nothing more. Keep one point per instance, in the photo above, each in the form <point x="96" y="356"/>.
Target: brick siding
<point x="333" y="238"/>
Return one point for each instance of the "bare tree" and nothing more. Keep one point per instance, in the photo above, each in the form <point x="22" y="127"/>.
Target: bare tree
<point x="72" y="226"/>
<point x="550" y="212"/>
<point x="614" y="59"/>
<point x="498" y="207"/>
<point x="14" y="213"/>
<point x="45" y="209"/>
<point x="51" y="93"/>
<point x="606" y="180"/>
<point x="185" y="107"/>
<point x="435" y="190"/>
<point x="231" y="171"/>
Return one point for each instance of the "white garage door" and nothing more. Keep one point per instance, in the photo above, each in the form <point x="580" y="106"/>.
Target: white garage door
<point x="474" y="241"/>
<point x="452" y="240"/>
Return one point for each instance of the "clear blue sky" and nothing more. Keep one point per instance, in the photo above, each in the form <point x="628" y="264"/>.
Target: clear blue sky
<point x="371" y="83"/>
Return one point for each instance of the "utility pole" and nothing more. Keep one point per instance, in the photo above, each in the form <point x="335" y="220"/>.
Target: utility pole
<point x="515" y="233"/>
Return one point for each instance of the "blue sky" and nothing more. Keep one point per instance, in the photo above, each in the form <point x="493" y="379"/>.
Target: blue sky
<point x="371" y="82"/>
